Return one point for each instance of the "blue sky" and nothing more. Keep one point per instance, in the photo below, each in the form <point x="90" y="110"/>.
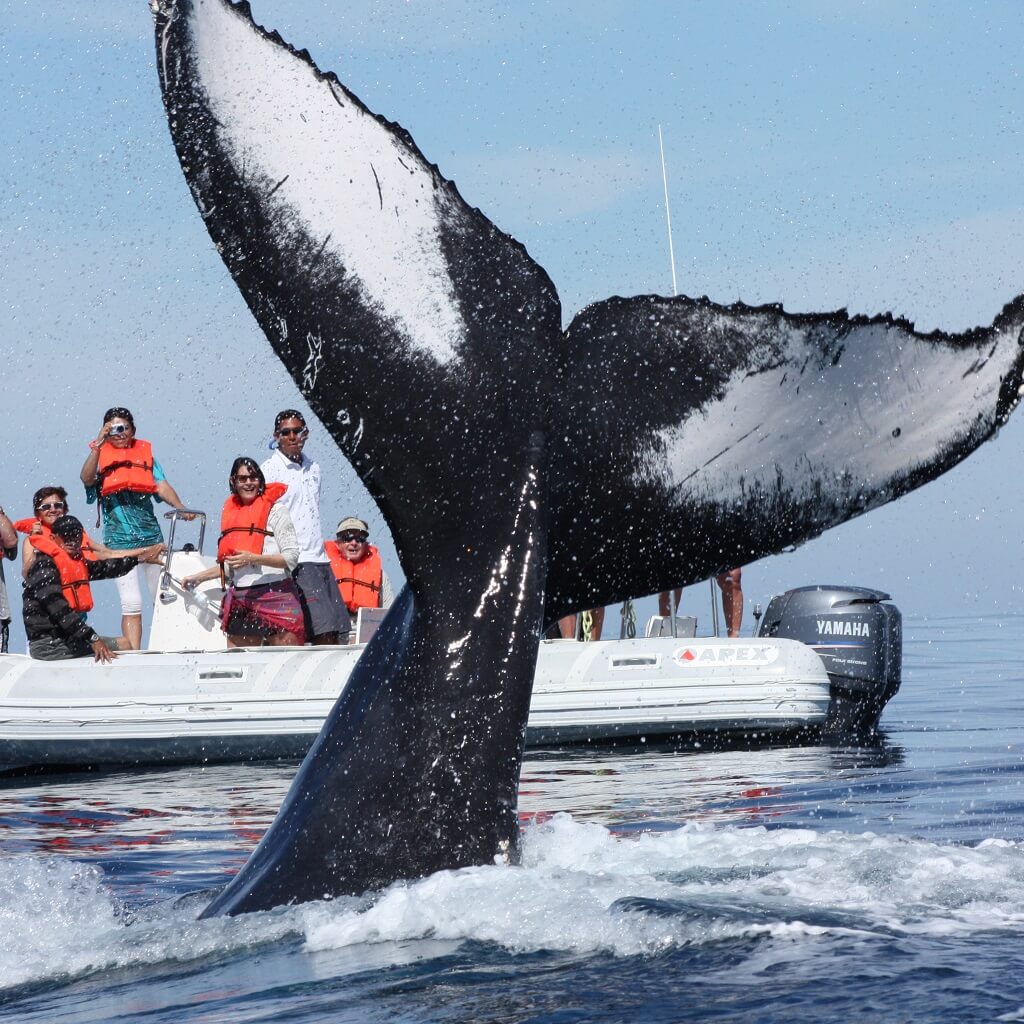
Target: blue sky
<point x="830" y="154"/>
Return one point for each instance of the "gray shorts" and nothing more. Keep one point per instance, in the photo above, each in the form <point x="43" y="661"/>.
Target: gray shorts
<point x="54" y="648"/>
<point x="322" y="606"/>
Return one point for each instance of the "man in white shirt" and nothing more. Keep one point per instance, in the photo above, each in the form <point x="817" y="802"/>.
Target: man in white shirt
<point x="327" y="618"/>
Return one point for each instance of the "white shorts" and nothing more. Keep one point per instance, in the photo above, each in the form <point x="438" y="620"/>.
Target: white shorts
<point x="129" y="590"/>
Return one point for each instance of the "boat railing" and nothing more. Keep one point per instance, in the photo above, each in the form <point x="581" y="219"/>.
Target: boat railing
<point x="714" y="609"/>
<point x="174" y="516"/>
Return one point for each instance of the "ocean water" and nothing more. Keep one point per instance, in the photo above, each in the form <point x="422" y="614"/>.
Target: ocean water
<point x="811" y="883"/>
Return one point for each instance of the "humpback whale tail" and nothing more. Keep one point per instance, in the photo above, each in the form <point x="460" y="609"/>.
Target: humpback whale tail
<point x="498" y="447"/>
<point x="745" y="430"/>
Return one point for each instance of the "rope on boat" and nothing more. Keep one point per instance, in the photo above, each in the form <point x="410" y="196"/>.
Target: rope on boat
<point x="587" y="620"/>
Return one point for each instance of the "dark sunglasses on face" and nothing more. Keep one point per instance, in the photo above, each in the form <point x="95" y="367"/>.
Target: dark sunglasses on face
<point x="117" y="428"/>
<point x="52" y="506"/>
<point x="346" y="538"/>
<point x="239" y="479"/>
<point x="288" y="431"/>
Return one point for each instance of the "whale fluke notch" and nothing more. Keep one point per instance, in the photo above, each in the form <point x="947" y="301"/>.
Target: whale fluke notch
<point x="524" y="472"/>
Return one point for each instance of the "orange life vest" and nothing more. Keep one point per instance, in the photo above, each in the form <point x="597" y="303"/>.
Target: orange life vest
<point x="126" y="469"/>
<point x="27" y="525"/>
<point x="244" y="527"/>
<point x="74" y="573"/>
<point x="359" y="583"/>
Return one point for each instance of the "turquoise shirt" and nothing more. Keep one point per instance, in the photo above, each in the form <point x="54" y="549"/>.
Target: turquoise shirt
<point x="129" y="520"/>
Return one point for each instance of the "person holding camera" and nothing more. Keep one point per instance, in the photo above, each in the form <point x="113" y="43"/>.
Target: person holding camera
<point x="121" y="474"/>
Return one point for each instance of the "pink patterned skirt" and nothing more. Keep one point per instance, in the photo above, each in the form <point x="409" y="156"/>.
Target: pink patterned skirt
<point x="263" y="610"/>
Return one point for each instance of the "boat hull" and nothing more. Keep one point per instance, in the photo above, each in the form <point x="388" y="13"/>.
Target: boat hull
<point x="262" y="704"/>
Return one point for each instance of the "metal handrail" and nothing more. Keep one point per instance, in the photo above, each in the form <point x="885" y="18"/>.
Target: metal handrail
<point x="714" y="605"/>
<point x="672" y="610"/>
<point x="174" y="515"/>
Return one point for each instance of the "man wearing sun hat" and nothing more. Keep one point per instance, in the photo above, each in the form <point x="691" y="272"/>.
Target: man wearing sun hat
<point x="362" y="581"/>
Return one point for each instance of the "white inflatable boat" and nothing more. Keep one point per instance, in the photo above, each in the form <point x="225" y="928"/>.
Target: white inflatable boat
<point x="189" y="699"/>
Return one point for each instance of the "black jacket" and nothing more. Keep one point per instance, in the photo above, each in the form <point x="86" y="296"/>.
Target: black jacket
<point x="44" y="607"/>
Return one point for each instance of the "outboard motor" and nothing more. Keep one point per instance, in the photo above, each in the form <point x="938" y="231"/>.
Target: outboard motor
<point x="856" y="635"/>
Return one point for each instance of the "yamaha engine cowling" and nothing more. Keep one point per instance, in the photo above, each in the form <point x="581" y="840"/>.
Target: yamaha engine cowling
<point x="857" y="635"/>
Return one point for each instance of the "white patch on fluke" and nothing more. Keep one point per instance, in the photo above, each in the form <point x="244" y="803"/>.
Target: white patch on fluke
<point x="336" y="171"/>
<point x="891" y="404"/>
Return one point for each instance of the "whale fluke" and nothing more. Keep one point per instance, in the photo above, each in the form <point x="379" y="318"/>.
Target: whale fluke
<point x="524" y="472"/>
<point x="732" y="432"/>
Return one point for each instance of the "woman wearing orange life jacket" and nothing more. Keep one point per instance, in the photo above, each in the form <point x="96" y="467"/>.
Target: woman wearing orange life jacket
<point x="121" y="474"/>
<point x="49" y="504"/>
<point x="259" y="549"/>
<point x="357" y="568"/>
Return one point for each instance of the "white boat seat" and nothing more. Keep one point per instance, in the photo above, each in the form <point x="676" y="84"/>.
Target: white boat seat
<point x="661" y="625"/>
<point x="367" y="621"/>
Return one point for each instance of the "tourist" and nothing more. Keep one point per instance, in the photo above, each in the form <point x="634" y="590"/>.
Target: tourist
<point x="258" y="549"/>
<point x="8" y="550"/>
<point x="327" y="619"/>
<point x="357" y="568"/>
<point x="730" y="584"/>
<point x="57" y="595"/>
<point x="121" y="473"/>
<point x="48" y="505"/>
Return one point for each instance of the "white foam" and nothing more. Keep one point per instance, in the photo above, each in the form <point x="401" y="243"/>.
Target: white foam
<point x="58" y="920"/>
<point x="581" y="890"/>
<point x="786" y="884"/>
<point x="281" y="124"/>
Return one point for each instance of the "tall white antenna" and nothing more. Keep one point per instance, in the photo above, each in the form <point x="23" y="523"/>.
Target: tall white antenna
<point x="675" y="291"/>
<point x="668" y="215"/>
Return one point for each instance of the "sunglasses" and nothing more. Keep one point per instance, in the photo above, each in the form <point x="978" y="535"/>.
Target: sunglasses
<point x="117" y="429"/>
<point x="345" y="538"/>
<point x="52" y="506"/>
<point x="288" y="431"/>
<point x="239" y="479"/>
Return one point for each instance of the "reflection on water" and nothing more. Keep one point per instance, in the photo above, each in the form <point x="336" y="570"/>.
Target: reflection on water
<point x="662" y="786"/>
<point x="196" y="825"/>
<point x="187" y="828"/>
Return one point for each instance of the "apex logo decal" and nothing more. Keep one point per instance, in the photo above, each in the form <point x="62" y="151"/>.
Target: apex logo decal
<point x="839" y="627"/>
<point x="710" y="655"/>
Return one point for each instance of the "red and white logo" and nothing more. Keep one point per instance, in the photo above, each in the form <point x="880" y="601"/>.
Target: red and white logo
<point x="714" y="655"/>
